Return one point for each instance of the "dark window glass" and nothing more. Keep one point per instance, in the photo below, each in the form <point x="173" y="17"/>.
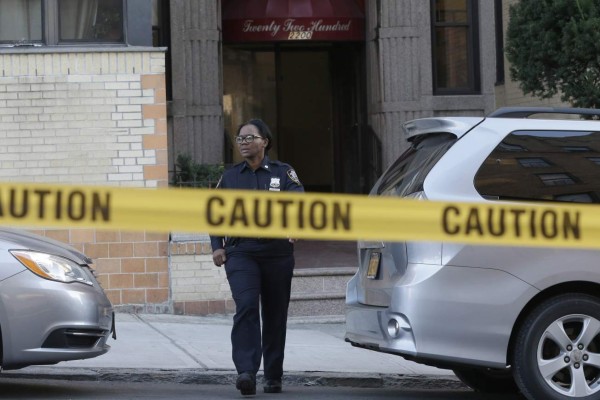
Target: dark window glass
<point x="451" y="11"/>
<point x="511" y="147"/>
<point x="567" y="177"/>
<point x="407" y="174"/>
<point x="451" y="58"/>
<point x="556" y="179"/>
<point x="595" y="160"/>
<point x="20" y="21"/>
<point x="575" y="197"/>
<point x="533" y="162"/>
<point x="91" y="20"/>
<point x="499" y="42"/>
<point x="455" y="55"/>
<point x="576" y="148"/>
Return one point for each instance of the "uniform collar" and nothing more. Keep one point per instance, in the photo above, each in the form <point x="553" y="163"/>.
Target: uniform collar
<point x="264" y="165"/>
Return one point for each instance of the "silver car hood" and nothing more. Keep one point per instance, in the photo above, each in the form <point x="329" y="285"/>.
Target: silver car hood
<point x="18" y="239"/>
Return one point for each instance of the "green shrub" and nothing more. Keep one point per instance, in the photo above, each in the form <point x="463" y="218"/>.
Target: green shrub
<point x="189" y="173"/>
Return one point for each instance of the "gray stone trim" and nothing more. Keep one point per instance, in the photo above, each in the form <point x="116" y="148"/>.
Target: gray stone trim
<point x="81" y="49"/>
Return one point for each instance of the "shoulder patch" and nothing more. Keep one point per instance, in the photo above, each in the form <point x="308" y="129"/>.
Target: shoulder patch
<point x="293" y="176"/>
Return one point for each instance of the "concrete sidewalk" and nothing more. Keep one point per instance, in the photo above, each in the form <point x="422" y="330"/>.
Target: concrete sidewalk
<point x="190" y="349"/>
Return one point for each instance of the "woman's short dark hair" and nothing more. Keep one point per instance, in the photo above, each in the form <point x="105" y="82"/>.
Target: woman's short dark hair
<point x="263" y="130"/>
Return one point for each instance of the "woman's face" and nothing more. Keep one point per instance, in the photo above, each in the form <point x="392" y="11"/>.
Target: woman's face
<point x="254" y="149"/>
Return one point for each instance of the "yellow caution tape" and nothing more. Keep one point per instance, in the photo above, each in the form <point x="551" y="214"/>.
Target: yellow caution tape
<point x="299" y="215"/>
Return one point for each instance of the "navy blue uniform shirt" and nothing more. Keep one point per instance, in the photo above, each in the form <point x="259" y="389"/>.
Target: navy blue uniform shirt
<point x="271" y="175"/>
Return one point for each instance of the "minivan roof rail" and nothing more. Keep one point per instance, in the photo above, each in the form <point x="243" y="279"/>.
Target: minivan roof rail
<point x="524" y="112"/>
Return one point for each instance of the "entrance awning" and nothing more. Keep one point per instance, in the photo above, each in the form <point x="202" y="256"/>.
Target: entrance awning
<point x="293" y="20"/>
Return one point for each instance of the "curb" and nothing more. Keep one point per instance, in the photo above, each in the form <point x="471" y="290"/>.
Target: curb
<point x="228" y="377"/>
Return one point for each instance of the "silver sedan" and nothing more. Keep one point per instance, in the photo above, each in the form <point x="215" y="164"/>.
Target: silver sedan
<point x="52" y="308"/>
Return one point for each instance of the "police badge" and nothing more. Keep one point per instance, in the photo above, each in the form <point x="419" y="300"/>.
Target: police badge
<point x="275" y="184"/>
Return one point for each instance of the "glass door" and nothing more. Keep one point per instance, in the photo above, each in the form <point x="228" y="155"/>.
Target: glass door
<point x="290" y="90"/>
<point x="311" y="98"/>
<point x="249" y="91"/>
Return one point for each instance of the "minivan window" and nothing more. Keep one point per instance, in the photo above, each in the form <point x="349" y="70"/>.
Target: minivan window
<point x="552" y="166"/>
<point x="407" y="174"/>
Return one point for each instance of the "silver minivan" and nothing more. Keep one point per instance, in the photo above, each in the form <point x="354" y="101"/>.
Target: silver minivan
<point x="502" y="318"/>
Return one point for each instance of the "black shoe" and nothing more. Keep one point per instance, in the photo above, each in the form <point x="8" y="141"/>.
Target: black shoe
<point x="273" y="386"/>
<point x="246" y="383"/>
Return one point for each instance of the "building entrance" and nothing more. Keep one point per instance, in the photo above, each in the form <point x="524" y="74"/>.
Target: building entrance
<point x="310" y="96"/>
<point x="305" y="117"/>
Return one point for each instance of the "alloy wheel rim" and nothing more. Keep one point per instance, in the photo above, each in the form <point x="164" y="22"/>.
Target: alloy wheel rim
<point x="568" y="355"/>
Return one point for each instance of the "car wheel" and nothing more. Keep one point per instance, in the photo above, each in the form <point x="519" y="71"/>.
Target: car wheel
<point x="487" y="380"/>
<point x="557" y="349"/>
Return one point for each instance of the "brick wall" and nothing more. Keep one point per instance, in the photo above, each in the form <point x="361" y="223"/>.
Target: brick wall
<point x="199" y="287"/>
<point x="93" y="117"/>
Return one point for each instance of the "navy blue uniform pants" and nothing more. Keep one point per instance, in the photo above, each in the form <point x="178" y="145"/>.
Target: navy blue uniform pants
<point x="260" y="272"/>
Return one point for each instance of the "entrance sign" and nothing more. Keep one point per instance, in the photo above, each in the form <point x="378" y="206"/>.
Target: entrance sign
<point x="292" y="20"/>
<point x="269" y="30"/>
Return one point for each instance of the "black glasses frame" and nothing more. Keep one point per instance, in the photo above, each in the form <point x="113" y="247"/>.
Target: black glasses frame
<point x="247" y="139"/>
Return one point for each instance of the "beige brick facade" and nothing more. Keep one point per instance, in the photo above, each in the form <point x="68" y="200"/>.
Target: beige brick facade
<point x="93" y="117"/>
<point x="198" y="287"/>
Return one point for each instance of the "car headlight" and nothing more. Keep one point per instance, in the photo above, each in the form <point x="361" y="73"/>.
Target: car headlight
<point x="52" y="267"/>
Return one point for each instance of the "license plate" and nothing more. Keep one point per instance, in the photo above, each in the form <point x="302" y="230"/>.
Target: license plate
<point x="373" y="265"/>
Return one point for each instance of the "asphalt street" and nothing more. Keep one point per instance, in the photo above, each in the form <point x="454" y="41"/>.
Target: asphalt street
<point x="11" y="388"/>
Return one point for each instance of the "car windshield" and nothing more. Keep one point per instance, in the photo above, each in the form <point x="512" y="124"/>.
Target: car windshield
<point x="407" y="174"/>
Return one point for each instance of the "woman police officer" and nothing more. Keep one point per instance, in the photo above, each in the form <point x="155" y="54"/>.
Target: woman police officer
<point x="259" y="270"/>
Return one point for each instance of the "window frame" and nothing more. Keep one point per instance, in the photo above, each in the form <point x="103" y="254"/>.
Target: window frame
<point x="50" y="22"/>
<point x="60" y="41"/>
<point x="30" y="43"/>
<point x="533" y="162"/>
<point x="473" y="56"/>
<point x="557" y="179"/>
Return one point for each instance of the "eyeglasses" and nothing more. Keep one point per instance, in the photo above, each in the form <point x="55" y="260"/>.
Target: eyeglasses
<point x="246" y="139"/>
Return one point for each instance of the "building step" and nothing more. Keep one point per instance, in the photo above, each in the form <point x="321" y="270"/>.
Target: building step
<point x="319" y="291"/>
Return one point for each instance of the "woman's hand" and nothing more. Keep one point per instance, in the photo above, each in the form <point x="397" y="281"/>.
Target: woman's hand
<point x="219" y="257"/>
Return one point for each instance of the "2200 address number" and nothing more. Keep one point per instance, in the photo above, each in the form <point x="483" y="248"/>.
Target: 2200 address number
<point x="300" y="35"/>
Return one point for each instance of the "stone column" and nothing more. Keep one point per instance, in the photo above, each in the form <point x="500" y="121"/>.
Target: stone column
<point x="399" y="70"/>
<point x="196" y="112"/>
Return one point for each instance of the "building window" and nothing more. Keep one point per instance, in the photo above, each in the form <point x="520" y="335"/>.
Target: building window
<point x="533" y="162"/>
<point x="53" y="22"/>
<point x="503" y="146"/>
<point x="595" y="160"/>
<point x="556" y="179"/>
<point x="576" y="149"/>
<point x="90" y="20"/>
<point x="455" y="46"/>
<point x="577" y="198"/>
<point x="20" y="21"/>
<point x="499" y="25"/>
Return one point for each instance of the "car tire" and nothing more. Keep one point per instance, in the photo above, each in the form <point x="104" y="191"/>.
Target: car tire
<point x="487" y="380"/>
<point x="557" y="341"/>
